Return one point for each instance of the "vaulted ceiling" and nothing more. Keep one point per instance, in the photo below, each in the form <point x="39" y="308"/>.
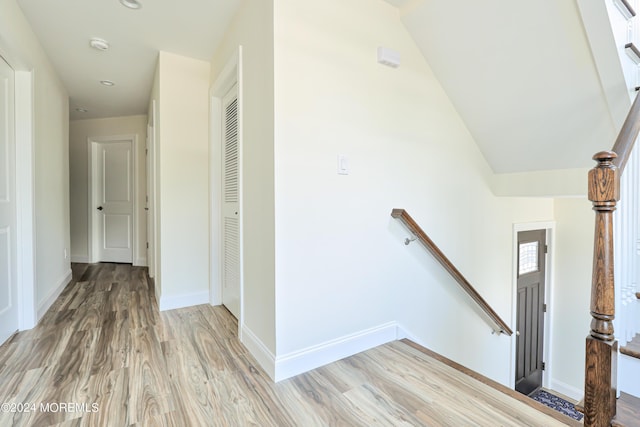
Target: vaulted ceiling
<point x="521" y="75"/>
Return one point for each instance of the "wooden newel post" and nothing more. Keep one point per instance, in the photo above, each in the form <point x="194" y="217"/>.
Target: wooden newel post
<point x="600" y="363"/>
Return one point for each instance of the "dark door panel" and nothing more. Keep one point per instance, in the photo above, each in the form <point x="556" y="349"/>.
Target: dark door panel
<point x="530" y="310"/>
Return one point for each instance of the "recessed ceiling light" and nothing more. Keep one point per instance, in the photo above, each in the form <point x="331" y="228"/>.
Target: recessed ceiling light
<point x="131" y="4"/>
<point x="107" y="83"/>
<point x="82" y="110"/>
<point x="99" y="44"/>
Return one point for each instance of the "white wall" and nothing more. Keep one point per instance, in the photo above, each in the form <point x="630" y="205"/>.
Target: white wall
<point x="574" y="254"/>
<point x="183" y="165"/>
<point x="550" y="183"/>
<point x="51" y="164"/>
<point x="252" y="28"/>
<point x="79" y="133"/>
<point x="341" y="265"/>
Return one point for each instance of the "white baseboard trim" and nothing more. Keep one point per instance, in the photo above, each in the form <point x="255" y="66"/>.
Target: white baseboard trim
<point x="402" y="333"/>
<point x="566" y="389"/>
<point x="171" y="302"/>
<point x="309" y="358"/>
<point x="48" y="300"/>
<point x="259" y="351"/>
<point x="140" y="262"/>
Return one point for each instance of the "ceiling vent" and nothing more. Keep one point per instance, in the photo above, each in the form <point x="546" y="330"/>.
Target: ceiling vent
<point x="388" y="57"/>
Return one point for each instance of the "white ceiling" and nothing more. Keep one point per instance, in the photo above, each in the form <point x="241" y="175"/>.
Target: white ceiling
<point x="521" y="75"/>
<point x="191" y="28"/>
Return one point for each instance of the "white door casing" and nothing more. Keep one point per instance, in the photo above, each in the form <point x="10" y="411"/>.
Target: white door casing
<point x="152" y="202"/>
<point x="230" y="203"/>
<point x="112" y="199"/>
<point x="9" y="311"/>
<point x="149" y="208"/>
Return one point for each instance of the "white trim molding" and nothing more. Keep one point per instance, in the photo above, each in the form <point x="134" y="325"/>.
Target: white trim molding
<point x="171" y="302"/>
<point x="140" y="262"/>
<point x="306" y="359"/>
<point x="25" y="171"/>
<point x="566" y="389"/>
<point x="82" y="259"/>
<point x="259" y="351"/>
<point x="298" y="362"/>
<point x="48" y="300"/>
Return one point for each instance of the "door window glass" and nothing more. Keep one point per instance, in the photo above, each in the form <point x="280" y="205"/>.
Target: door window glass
<point x="528" y="261"/>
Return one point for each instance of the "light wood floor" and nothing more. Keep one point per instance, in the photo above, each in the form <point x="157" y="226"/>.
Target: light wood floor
<point x="104" y="342"/>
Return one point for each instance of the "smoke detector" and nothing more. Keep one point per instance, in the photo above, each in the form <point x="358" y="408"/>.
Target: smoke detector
<point x="99" y="44"/>
<point x="131" y="4"/>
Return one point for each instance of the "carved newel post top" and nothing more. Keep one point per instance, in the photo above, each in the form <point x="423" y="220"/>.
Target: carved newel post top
<point x="604" y="181"/>
<point x="605" y="158"/>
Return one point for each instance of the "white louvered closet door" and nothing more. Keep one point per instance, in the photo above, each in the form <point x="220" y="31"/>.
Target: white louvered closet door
<point x="230" y="204"/>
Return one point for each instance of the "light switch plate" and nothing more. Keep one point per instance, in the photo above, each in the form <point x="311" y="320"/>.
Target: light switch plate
<point x="343" y="165"/>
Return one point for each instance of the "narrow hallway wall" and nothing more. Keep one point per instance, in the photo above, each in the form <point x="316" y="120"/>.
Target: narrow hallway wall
<point x="79" y="133"/>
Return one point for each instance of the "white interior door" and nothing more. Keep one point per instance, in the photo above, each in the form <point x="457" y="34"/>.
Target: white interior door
<point x="9" y="314"/>
<point x="230" y="204"/>
<point x="114" y="201"/>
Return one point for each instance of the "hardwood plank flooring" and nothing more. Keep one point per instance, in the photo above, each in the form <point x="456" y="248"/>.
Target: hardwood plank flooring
<point x="103" y="345"/>
<point x="628" y="411"/>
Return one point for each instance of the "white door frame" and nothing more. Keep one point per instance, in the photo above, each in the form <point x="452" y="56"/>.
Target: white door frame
<point x="549" y="226"/>
<point x="151" y="191"/>
<point x="229" y="76"/>
<point x="92" y="144"/>
<point x="25" y="195"/>
<point x="25" y="186"/>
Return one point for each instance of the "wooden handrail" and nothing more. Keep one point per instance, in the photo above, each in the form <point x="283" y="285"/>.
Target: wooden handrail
<point x="627" y="136"/>
<point x="402" y="215"/>
<point x="601" y="345"/>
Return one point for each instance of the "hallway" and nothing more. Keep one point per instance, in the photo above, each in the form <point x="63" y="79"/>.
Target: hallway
<point x="105" y="345"/>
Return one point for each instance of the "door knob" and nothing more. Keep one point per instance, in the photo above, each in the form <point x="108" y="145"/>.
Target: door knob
<point x="517" y="333"/>
<point x="99" y="208"/>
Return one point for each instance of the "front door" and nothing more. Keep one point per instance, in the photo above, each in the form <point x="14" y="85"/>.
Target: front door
<point x="114" y="201"/>
<point x="530" y="309"/>
<point x="8" y="206"/>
